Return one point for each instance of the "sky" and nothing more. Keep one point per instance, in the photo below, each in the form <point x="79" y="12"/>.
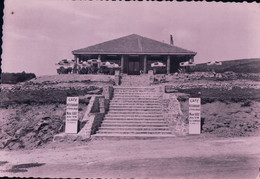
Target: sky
<point x="39" y="33"/>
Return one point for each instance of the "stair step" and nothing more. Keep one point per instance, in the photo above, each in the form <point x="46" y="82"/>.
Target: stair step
<point x="112" y="112"/>
<point x="133" y="132"/>
<point x="133" y="125"/>
<point x="132" y="121"/>
<point x="135" y="93"/>
<point x="150" y="105"/>
<point x="134" y="128"/>
<point x="112" y="109"/>
<point x="133" y="118"/>
<point x="134" y="88"/>
<point x="135" y="98"/>
<point x="134" y="101"/>
<point x="132" y="136"/>
<point x="140" y="101"/>
<point x="134" y="115"/>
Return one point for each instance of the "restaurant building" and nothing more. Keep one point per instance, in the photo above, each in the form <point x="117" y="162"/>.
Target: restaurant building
<point x="135" y="53"/>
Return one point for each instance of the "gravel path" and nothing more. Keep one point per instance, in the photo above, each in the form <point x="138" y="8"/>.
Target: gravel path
<point x="183" y="157"/>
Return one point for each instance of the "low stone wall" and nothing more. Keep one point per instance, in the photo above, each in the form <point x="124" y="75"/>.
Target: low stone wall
<point x="108" y="92"/>
<point x="93" y="117"/>
<point x="172" y="113"/>
<point x="97" y="108"/>
<point x="93" y="123"/>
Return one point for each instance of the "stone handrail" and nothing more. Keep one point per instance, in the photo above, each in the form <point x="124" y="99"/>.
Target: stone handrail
<point x="98" y="106"/>
<point x="172" y="112"/>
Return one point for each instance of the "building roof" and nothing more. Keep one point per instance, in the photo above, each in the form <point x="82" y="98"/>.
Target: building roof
<point x="133" y="44"/>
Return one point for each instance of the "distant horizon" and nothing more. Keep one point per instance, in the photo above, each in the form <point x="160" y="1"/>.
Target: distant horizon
<point x="38" y="34"/>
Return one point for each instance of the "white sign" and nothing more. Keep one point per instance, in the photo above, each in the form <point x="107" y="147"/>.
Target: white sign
<point x="194" y="115"/>
<point x="71" y="126"/>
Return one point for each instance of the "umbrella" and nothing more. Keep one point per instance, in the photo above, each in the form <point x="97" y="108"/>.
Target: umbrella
<point x="214" y="63"/>
<point x="93" y="61"/>
<point x="110" y="64"/>
<point x="105" y="63"/>
<point x="86" y="64"/>
<point x="157" y="64"/>
<point x="113" y="65"/>
<point x="65" y="63"/>
<point x="187" y="64"/>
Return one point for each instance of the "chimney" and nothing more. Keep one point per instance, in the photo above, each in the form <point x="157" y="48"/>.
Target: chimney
<point x="171" y="40"/>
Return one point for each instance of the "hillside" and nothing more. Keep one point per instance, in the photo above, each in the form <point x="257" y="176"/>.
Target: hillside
<point x="237" y="66"/>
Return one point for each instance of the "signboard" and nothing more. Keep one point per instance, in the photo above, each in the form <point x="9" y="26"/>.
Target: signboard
<point x="194" y="116"/>
<point x="71" y="126"/>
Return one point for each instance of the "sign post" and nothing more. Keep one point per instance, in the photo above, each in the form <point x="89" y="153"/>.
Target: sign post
<point x="71" y="126"/>
<point x="194" y="115"/>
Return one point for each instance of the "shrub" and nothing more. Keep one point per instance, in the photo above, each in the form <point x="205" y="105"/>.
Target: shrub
<point x="13" y="78"/>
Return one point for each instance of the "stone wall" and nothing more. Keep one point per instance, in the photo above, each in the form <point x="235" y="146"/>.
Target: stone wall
<point x="108" y="92"/>
<point x="94" y="116"/>
<point x="172" y="114"/>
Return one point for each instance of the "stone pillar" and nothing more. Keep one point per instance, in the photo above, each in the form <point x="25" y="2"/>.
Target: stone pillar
<point x="117" y="77"/>
<point x="150" y="77"/>
<point x="168" y="65"/>
<point x="101" y="105"/>
<point x="107" y="92"/>
<point x="145" y="64"/>
<point x="122" y="63"/>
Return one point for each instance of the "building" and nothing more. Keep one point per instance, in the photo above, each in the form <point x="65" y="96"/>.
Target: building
<point x="135" y="53"/>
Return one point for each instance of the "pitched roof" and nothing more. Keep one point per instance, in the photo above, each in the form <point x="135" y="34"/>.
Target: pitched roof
<point x="133" y="44"/>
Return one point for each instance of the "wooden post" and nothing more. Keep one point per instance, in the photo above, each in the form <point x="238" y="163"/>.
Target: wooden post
<point x="145" y="64"/>
<point x="192" y="59"/>
<point x="99" y="63"/>
<point x="75" y="58"/>
<point x="122" y="63"/>
<point x="168" y="64"/>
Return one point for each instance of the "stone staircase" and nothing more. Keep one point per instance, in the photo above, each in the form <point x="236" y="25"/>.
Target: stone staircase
<point x="134" y="80"/>
<point x="134" y="112"/>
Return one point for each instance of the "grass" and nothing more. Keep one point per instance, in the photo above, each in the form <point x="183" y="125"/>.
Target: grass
<point x="209" y="95"/>
<point x="238" y="66"/>
<point x="44" y="96"/>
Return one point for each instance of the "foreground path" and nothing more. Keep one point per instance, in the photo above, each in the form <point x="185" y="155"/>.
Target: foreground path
<point x="184" y="157"/>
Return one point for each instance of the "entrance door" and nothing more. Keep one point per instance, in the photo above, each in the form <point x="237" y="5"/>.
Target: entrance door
<point x="134" y="67"/>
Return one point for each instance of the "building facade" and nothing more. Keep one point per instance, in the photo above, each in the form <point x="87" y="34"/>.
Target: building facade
<point x="135" y="53"/>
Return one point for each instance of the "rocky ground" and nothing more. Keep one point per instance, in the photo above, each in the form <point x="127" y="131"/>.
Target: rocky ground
<point x="34" y="111"/>
<point x="29" y="126"/>
<point x="230" y="103"/>
<point x="220" y="119"/>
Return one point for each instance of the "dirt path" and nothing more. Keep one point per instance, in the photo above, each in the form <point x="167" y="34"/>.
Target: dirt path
<point x="184" y="157"/>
